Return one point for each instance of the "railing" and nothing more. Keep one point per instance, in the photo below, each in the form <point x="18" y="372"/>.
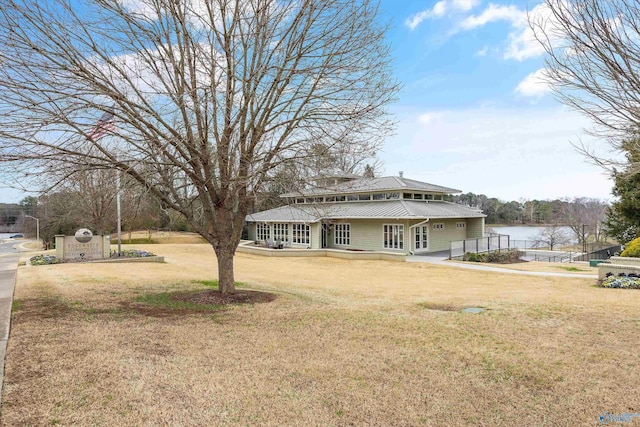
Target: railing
<point x="554" y="258"/>
<point x="604" y="253"/>
<point x="495" y="242"/>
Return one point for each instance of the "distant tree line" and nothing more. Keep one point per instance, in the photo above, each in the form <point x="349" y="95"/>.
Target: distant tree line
<point x="584" y="216"/>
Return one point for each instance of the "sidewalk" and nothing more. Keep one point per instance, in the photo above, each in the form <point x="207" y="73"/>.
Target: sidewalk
<point x="442" y="260"/>
<point x="8" y="271"/>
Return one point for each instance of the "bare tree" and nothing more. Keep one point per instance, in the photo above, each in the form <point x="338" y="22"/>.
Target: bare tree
<point x="593" y="63"/>
<point x="551" y="236"/>
<point x="584" y="216"/>
<point x="199" y="101"/>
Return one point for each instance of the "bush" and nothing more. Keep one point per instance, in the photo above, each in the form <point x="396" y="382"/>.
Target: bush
<point x="632" y="249"/>
<point x="503" y="257"/>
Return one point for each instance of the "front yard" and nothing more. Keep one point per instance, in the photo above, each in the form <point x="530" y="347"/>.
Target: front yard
<point x="344" y="342"/>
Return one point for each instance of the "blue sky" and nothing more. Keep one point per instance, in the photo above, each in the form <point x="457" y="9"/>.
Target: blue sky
<point x="472" y="113"/>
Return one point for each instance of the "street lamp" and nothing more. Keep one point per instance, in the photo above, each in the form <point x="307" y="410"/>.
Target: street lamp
<point x="37" y="226"/>
<point x="584" y="240"/>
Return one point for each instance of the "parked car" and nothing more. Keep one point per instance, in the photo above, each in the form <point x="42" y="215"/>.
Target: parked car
<point x="16" y="236"/>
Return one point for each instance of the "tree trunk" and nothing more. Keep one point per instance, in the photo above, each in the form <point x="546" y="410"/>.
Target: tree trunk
<point x="226" y="284"/>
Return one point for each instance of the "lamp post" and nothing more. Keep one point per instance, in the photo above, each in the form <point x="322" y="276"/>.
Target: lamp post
<point x="584" y="240"/>
<point x="37" y="226"/>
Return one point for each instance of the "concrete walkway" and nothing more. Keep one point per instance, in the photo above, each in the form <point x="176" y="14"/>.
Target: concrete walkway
<point x="8" y="272"/>
<point x="440" y="259"/>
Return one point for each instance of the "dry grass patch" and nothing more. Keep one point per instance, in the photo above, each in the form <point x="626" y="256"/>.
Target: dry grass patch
<point x="159" y="237"/>
<point x="345" y="342"/>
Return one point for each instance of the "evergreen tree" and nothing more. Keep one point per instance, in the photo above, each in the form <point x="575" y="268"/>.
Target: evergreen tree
<point x="623" y="219"/>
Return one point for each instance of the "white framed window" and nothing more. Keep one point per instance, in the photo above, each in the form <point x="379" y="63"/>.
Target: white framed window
<point x="393" y="236"/>
<point x="438" y="226"/>
<point x="461" y="225"/>
<point x="422" y="237"/>
<point x="301" y="233"/>
<point x="281" y="232"/>
<point x="342" y="234"/>
<point x="262" y="231"/>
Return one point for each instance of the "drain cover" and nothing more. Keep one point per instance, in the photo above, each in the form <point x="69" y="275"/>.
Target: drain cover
<point x="474" y="310"/>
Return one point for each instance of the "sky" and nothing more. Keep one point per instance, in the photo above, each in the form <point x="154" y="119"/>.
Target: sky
<point x="473" y="113"/>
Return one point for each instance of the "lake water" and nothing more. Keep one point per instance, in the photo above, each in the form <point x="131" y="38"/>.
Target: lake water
<point x="6" y="235"/>
<point x="529" y="233"/>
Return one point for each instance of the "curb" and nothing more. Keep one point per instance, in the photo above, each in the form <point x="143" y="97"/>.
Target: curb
<point x="8" y="276"/>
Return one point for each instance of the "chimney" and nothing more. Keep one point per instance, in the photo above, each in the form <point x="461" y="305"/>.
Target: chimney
<point x="401" y="173"/>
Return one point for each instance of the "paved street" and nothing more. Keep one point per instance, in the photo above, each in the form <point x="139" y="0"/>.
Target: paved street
<point x="6" y="246"/>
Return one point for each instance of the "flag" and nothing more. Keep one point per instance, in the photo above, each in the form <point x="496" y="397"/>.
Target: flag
<point x="104" y="125"/>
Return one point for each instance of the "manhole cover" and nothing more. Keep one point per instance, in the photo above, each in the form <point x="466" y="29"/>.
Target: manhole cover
<point x="474" y="310"/>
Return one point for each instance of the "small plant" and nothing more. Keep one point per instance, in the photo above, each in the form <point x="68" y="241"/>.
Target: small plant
<point x="44" y="260"/>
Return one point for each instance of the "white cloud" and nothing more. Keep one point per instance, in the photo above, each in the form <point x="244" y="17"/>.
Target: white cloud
<point x="428" y="118"/>
<point x="522" y="42"/>
<point x="535" y="84"/>
<point x="483" y="51"/>
<point x="504" y="153"/>
<point x="495" y="13"/>
<point x="440" y="9"/>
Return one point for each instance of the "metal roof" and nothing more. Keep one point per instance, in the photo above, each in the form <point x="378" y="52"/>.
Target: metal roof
<point x="396" y="209"/>
<point x="369" y="185"/>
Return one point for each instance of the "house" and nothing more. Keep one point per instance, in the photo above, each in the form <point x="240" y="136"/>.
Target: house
<point x="389" y="214"/>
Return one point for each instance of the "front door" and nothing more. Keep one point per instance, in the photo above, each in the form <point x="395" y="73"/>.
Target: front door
<point x="421" y="239"/>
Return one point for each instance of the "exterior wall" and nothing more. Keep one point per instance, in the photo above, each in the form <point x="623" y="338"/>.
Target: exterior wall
<point x="315" y="236"/>
<point x="367" y="235"/>
<point x="314" y="240"/>
<point x="331" y="253"/>
<point x="251" y="232"/>
<point x="475" y="228"/>
<point x="439" y="238"/>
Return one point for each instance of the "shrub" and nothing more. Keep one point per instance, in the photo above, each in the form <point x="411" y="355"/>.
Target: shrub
<point x="470" y="256"/>
<point x="632" y="249"/>
<point x="504" y="257"/>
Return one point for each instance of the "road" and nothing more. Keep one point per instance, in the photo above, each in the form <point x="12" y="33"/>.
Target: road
<point x="6" y="246"/>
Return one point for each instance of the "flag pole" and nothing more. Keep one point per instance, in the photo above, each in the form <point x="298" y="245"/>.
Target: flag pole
<point x="119" y="216"/>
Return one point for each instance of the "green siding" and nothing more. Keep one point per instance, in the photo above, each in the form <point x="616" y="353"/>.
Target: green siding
<point x="367" y="234"/>
<point x="315" y="236"/>
<point x="252" y="231"/>
<point x="475" y="228"/>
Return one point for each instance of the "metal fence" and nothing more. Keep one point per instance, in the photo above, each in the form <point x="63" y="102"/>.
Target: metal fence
<point x="495" y="242"/>
<point x="604" y="253"/>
